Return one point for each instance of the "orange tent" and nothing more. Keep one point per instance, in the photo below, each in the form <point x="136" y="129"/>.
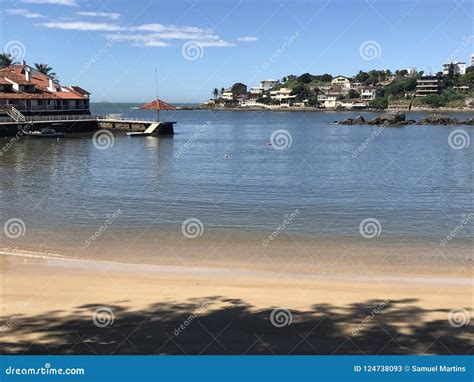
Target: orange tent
<point x="157" y="105"/>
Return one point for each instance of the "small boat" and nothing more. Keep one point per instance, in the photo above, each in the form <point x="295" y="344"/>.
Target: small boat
<point x="137" y="133"/>
<point x="46" y="133"/>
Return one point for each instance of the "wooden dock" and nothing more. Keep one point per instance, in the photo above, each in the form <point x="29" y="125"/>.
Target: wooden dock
<point x="83" y="123"/>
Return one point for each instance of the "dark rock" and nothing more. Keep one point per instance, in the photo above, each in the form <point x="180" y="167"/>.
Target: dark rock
<point x="470" y="122"/>
<point x="390" y="118"/>
<point x="353" y="121"/>
<point x="438" y="119"/>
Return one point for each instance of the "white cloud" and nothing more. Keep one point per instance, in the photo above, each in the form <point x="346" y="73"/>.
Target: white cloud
<point x="71" y="3"/>
<point x="108" y="15"/>
<point x="83" y="26"/>
<point x="247" y="38"/>
<point x="151" y="35"/>
<point x="25" y="13"/>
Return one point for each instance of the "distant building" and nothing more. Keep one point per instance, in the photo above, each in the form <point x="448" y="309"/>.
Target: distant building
<point x="412" y="72"/>
<point x="368" y="93"/>
<point x="326" y="101"/>
<point x="30" y="91"/>
<point x="256" y="90"/>
<point x="457" y="67"/>
<point x="472" y="59"/>
<point x="228" y="95"/>
<point x="427" y="85"/>
<point x="239" y="89"/>
<point x="232" y="93"/>
<point x="283" y="94"/>
<point x="268" y="84"/>
<point x="341" y="81"/>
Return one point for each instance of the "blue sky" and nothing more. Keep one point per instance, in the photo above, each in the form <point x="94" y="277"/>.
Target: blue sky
<point x="112" y="48"/>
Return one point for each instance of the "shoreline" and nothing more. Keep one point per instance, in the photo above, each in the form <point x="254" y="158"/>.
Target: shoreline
<point x="50" y="307"/>
<point x="316" y="110"/>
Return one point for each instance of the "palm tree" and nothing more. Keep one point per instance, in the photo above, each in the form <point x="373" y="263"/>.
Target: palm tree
<point x="6" y="60"/>
<point x="222" y="91"/>
<point x="215" y="93"/>
<point x="45" y="69"/>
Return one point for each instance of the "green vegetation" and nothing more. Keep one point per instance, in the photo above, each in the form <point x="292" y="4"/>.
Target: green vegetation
<point x="6" y="60"/>
<point x="380" y="103"/>
<point x="45" y="69"/>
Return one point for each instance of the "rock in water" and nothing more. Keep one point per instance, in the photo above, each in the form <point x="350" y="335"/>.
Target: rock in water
<point x="390" y="118"/>
<point x="359" y="120"/>
<point x="438" y="119"/>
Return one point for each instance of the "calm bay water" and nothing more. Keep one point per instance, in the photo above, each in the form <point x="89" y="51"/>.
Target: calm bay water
<point x="220" y="168"/>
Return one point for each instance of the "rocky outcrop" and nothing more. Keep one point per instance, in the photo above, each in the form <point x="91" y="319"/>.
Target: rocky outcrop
<point x="390" y="118"/>
<point x="438" y="119"/>
<point x="359" y="120"/>
<point x="397" y="118"/>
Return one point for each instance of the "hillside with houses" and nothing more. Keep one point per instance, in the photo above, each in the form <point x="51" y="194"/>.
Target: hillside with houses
<point x="452" y="87"/>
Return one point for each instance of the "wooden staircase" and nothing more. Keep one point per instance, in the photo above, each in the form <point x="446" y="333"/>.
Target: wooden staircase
<point x="14" y="113"/>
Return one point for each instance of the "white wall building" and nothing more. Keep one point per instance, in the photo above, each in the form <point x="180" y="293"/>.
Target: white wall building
<point x="283" y="94"/>
<point x="228" y="95"/>
<point x="268" y="84"/>
<point x="368" y="94"/>
<point x="341" y="81"/>
<point x="412" y="72"/>
<point x="458" y="66"/>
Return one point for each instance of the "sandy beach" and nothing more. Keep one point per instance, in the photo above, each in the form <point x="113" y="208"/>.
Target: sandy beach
<point x="59" y="305"/>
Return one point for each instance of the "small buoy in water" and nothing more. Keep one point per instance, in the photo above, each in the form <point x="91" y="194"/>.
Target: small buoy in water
<point x="226" y="156"/>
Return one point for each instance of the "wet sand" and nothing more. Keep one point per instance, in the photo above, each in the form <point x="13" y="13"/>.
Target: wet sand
<point x="42" y="291"/>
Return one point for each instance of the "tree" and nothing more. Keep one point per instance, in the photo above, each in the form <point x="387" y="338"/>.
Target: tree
<point x="326" y="78"/>
<point x="6" y="60"/>
<point x="433" y="100"/>
<point x="379" y="103"/>
<point x="362" y="76"/>
<point x="45" y="69"/>
<point x="222" y="91"/>
<point x="352" y="94"/>
<point x="215" y="93"/>
<point x="305" y="78"/>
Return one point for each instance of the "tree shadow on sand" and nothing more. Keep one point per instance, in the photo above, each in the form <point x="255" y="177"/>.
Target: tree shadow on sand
<point x="217" y="325"/>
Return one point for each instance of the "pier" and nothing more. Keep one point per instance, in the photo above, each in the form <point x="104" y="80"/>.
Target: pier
<point x="15" y="121"/>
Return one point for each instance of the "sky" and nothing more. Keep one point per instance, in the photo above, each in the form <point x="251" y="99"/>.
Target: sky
<point x="116" y="48"/>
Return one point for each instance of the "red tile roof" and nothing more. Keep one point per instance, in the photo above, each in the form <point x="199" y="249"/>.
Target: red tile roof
<point x="16" y="73"/>
<point x="158" y="105"/>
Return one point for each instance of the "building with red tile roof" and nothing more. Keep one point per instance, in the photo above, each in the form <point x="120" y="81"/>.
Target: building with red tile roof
<point x="30" y="91"/>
